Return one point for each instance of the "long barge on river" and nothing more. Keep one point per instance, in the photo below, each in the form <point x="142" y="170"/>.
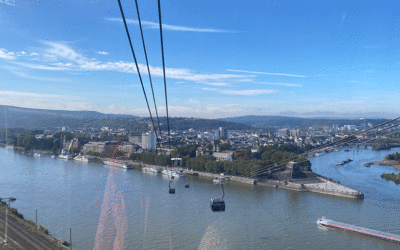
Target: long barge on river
<point x="356" y="229"/>
<point x="119" y="164"/>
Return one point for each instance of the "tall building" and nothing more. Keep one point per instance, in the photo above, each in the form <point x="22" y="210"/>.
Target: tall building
<point x="221" y="132"/>
<point x="363" y="124"/>
<point x="149" y="140"/>
<point x="283" y="132"/>
<point x="294" y="132"/>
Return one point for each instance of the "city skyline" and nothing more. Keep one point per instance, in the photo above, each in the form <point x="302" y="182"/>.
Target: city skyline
<point x="223" y="59"/>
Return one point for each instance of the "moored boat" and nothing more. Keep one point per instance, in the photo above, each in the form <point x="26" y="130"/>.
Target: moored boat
<point x="324" y="222"/>
<point x="117" y="164"/>
<point x="83" y="158"/>
<point x="177" y="174"/>
<point x="151" y="170"/>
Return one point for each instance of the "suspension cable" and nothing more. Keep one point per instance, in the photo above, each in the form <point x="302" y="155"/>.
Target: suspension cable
<point x="165" y="81"/>
<point x="137" y="66"/>
<point x="148" y="70"/>
<point x="263" y="170"/>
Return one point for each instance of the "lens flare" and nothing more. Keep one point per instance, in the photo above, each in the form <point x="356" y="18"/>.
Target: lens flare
<point x="112" y="217"/>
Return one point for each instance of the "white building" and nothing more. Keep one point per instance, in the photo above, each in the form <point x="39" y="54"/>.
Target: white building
<point x="149" y="140"/>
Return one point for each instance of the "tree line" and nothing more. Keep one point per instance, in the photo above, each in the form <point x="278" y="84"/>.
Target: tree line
<point x="245" y="163"/>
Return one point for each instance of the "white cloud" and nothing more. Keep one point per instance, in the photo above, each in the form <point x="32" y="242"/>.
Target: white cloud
<point x="21" y="74"/>
<point x="102" y="53"/>
<point x="216" y="83"/>
<point x="264" y="73"/>
<point x="8" y="2"/>
<point x="65" y="58"/>
<point x="343" y="16"/>
<point x="193" y="101"/>
<point x="245" y="92"/>
<point x="281" y="84"/>
<point x="154" y="25"/>
<point x="210" y="89"/>
<point x="7" y="55"/>
<point x="25" y="94"/>
<point x="248" y="92"/>
<point x="33" y="54"/>
<point x="40" y="66"/>
<point x="21" y="53"/>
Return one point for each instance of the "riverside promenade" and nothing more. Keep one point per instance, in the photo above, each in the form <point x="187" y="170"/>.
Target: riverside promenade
<point x="318" y="184"/>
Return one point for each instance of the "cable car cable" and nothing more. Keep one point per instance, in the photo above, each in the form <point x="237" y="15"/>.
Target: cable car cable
<point x="165" y="81"/>
<point x="148" y="70"/>
<point x="268" y="168"/>
<point x="307" y="152"/>
<point x="136" y="63"/>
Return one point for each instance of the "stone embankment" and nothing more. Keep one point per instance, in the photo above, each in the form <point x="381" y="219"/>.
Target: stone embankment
<point x="319" y="184"/>
<point x="333" y="188"/>
<point x="216" y="176"/>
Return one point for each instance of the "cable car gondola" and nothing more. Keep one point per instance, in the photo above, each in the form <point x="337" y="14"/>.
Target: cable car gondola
<point x="171" y="190"/>
<point x="218" y="204"/>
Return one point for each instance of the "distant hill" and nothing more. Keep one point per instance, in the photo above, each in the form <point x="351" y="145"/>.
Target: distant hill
<point x="42" y="118"/>
<point x="48" y="119"/>
<point x="179" y="123"/>
<point x="297" y="122"/>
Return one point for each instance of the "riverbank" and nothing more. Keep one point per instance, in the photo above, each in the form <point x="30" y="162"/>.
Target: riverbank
<point x="318" y="184"/>
<point x="391" y="163"/>
<point x="23" y="234"/>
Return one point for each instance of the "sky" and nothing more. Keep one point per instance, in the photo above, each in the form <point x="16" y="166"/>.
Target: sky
<point x="223" y="58"/>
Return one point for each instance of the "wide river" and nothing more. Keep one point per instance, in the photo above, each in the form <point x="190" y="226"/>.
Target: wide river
<point x="112" y="208"/>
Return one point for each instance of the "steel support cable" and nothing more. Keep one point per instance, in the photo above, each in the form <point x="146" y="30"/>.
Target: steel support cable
<point x="252" y="173"/>
<point x="148" y="70"/>
<point x="272" y="166"/>
<point x="136" y="63"/>
<point x="397" y="131"/>
<point x="266" y="169"/>
<point x="165" y="81"/>
<point x="324" y="146"/>
<point x="363" y="131"/>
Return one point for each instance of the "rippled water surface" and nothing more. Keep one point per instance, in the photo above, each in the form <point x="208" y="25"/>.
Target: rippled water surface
<point x="133" y="210"/>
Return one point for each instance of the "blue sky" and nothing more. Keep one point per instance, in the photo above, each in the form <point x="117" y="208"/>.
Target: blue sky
<point x="223" y="58"/>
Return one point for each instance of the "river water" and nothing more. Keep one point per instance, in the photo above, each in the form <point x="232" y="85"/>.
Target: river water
<point x="111" y="208"/>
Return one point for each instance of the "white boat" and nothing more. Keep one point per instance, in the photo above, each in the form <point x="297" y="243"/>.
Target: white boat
<point x="37" y="155"/>
<point x="177" y="174"/>
<point x="64" y="155"/>
<point x="220" y="180"/>
<point x="167" y="172"/>
<point x="117" y="164"/>
<point x="83" y="158"/>
<point x="217" y="181"/>
<point x="150" y="170"/>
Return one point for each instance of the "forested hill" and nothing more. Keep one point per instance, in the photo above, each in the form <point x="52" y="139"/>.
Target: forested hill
<point x="42" y="118"/>
<point x="178" y="123"/>
<point x="48" y="119"/>
<point x="297" y="122"/>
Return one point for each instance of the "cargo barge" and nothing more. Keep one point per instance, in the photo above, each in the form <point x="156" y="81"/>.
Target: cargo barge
<point x="361" y="230"/>
<point x="118" y="164"/>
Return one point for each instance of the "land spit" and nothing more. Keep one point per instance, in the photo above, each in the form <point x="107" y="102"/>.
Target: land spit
<point x="385" y="162"/>
<point x="318" y="184"/>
